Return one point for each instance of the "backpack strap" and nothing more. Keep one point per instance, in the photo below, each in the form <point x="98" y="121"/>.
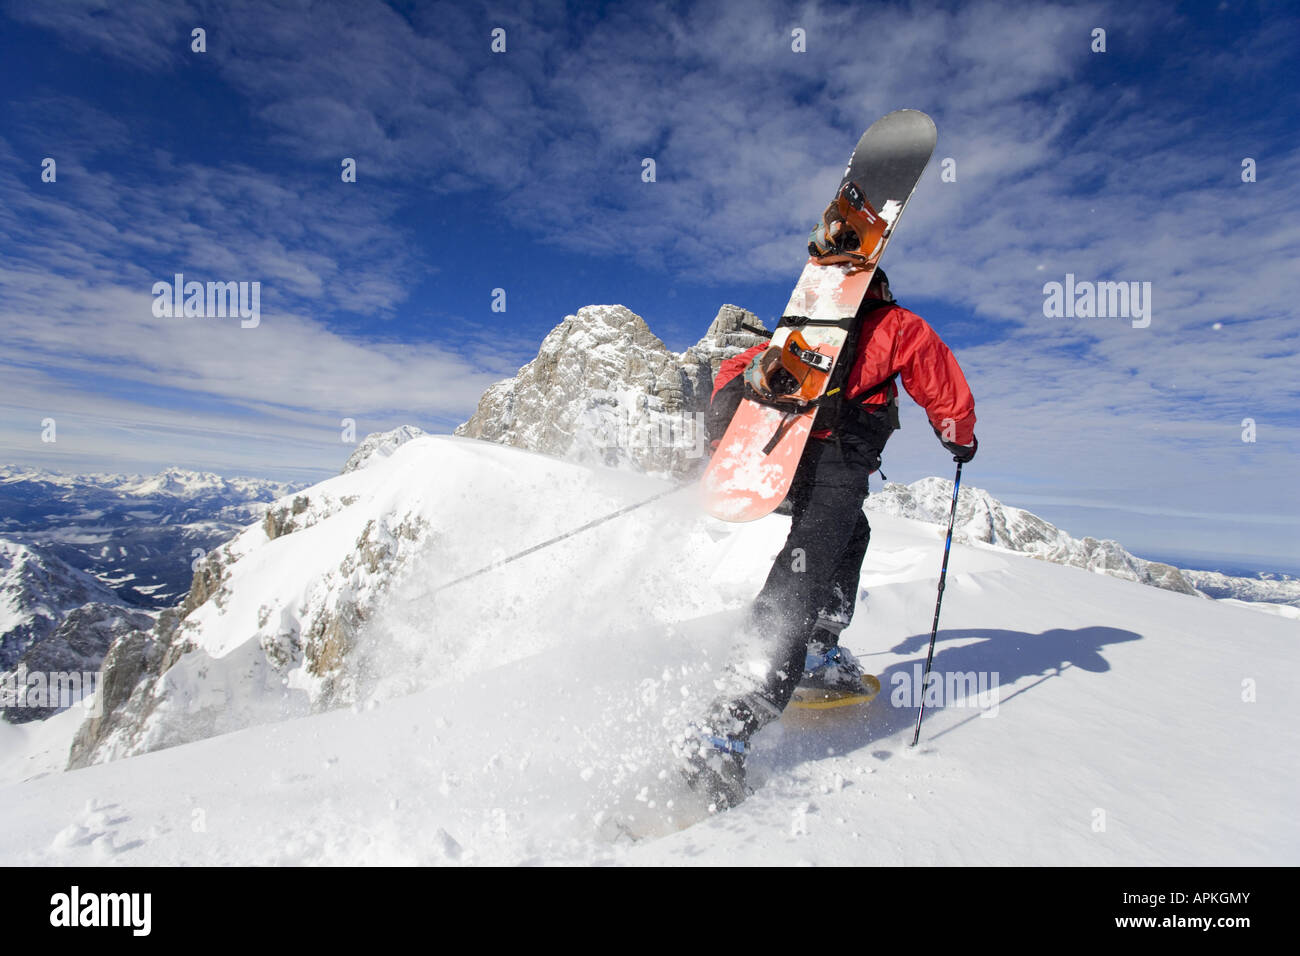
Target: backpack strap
<point x="833" y="399"/>
<point x="891" y="404"/>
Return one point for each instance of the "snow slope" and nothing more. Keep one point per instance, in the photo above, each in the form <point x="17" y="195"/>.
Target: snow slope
<point x="1132" y="725"/>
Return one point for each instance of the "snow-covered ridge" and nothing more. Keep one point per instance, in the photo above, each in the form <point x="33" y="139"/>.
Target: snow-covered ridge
<point x="378" y="445"/>
<point x="294" y="613"/>
<point x="981" y="517"/>
<point x="1266" y="588"/>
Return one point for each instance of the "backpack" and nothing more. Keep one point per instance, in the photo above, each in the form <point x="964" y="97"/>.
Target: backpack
<point x="835" y="412"/>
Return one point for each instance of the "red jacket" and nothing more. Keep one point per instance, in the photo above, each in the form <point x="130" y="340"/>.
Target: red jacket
<point x="894" y="340"/>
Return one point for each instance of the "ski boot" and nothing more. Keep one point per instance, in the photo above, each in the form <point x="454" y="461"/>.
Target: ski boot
<point x="831" y="667"/>
<point x="714" y="767"/>
<point x="713" y="750"/>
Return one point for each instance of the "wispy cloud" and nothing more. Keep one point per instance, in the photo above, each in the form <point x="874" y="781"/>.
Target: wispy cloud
<point x="1107" y="166"/>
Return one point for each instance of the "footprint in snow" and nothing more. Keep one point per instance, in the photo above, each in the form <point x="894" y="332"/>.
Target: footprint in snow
<point x="96" y="828"/>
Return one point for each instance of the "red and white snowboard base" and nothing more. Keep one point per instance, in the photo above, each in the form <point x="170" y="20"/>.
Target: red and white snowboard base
<point x="743" y="481"/>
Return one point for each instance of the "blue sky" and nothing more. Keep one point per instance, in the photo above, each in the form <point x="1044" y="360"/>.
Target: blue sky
<point x="521" y="170"/>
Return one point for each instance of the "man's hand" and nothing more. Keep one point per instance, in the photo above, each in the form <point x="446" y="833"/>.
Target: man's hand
<point x="826" y="235"/>
<point x="756" y="372"/>
<point x="962" y="453"/>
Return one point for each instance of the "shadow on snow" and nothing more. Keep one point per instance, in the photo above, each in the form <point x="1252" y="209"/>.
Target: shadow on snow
<point x="1012" y="655"/>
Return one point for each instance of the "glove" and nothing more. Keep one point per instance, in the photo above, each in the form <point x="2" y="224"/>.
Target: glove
<point x="756" y="373"/>
<point x="826" y="235"/>
<point x="962" y="453"/>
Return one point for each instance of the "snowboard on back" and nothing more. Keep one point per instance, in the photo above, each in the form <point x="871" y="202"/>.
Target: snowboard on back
<point x="751" y="471"/>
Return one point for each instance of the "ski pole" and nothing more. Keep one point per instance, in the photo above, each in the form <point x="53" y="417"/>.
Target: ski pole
<point x="568" y="534"/>
<point x="934" y="630"/>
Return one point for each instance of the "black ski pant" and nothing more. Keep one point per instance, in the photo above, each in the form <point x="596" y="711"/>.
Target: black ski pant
<point x="816" y="574"/>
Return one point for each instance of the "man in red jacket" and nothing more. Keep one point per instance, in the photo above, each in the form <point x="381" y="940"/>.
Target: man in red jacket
<point x="810" y="593"/>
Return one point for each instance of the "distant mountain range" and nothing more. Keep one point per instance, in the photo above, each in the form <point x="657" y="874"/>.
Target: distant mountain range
<point x="36" y="591"/>
<point x="981" y="517"/>
<point x="135" y="534"/>
<point x="1270" y="588"/>
<point x="86" y="558"/>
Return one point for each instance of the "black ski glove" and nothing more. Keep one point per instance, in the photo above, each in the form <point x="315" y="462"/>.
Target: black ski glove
<point x="962" y="453"/>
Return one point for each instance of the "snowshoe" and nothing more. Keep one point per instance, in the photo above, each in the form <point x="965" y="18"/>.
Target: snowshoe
<point x="832" y="678"/>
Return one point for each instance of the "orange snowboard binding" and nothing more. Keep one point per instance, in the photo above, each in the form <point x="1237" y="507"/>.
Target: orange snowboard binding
<point x="808" y="367"/>
<point x="850" y="231"/>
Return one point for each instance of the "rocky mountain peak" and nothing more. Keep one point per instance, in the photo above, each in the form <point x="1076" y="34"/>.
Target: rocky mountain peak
<point x="604" y="389"/>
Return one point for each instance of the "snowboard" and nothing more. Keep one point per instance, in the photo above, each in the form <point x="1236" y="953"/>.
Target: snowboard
<point x="754" y="465"/>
